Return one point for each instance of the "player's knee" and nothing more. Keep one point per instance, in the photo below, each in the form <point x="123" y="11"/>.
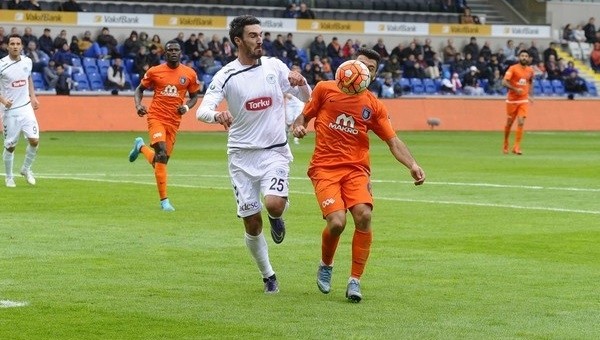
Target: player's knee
<point x="161" y="157"/>
<point x="34" y="142"/>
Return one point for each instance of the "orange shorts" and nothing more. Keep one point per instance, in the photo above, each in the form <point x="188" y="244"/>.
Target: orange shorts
<point x="514" y="110"/>
<point x="160" y="132"/>
<point x="341" y="190"/>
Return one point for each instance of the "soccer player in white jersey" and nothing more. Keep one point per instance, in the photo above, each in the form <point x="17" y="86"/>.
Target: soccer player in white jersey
<point x="17" y="102"/>
<point x="257" y="147"/>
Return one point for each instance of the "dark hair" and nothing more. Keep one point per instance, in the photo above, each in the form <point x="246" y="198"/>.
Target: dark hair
<point x="524" y="51"/>
<point x="15" y="35"/>
<point x="369" y="53"/>
<point x="236" y="27"/>
<point x="172" y="41"/>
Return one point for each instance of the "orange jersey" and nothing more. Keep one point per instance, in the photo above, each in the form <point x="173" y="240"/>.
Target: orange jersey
<point x="342" y="123"/>
<point x="170" y="88"/>
<point x="521" y="77"/>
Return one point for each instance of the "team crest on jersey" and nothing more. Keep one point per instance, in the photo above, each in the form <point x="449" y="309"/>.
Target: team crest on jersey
<point x="280" y="172"/>
<point x="182" y="80"/>
<point x="366" y="113"/>
<point x="271" y="79"/>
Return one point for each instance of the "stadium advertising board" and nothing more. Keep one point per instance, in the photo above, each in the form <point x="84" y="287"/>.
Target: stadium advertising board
<point x="396" y="28"/>
<point x="336" y="26"/>
<point x="274" y="24"/>
<point x="190" y="21"/>
<point x="514" y="31"/>
<point x="460" y="30"/>
<point x="37" y="17"/>
<point x="115" y="20"/>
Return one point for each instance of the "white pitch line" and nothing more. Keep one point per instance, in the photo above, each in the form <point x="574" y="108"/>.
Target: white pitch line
<point x="12" y="304"/>
<point x="478" y="204"/>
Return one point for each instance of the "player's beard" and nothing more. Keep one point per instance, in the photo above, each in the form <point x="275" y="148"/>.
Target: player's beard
<point x="524" y="62"/>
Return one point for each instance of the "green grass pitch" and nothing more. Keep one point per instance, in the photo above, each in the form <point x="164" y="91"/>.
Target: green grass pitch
<point x="492" y="246"/>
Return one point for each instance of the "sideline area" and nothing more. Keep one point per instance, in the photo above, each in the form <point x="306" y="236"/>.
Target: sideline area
<point x="117" y="113"/>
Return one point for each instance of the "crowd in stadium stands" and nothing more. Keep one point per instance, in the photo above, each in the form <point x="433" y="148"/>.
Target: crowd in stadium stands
<point x="418" y="67"/>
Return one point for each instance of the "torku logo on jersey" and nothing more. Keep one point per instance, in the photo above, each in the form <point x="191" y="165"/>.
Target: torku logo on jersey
<point x="259" y="104"/>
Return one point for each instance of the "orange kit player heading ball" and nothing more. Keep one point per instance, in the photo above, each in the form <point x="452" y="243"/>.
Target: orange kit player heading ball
<point x="340" y="167"/>
<point x="519" y="81"/>
<point x="171" y="82"/>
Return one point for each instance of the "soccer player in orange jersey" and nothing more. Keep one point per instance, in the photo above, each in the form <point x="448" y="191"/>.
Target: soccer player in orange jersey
<point x="171" y="82"/>
<point x="340" y="167"/>
<point x="519" y="81"/>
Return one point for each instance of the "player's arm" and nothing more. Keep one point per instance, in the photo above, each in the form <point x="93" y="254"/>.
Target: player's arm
<point x="207" y="112"/>
<point x="403" y="155"/>
<point x="138" y="94"/>
<point x="34" y="101"/>
<point x="6" y="102"/>
<point x="190" y="103"/>
<point x="303" y="89"/>
<point x="299" y="126"/>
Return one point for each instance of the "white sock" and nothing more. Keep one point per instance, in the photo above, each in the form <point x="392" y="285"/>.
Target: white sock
<point x="30" y="153"/>
<point x="257" y="245"/>
<point x="8" y="158"/>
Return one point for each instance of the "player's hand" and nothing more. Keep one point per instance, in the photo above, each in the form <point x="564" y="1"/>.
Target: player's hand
<point x="418" y="174"/>
<point x="224" y="118"/>
<point x="296" y="79"/>
<point x="141" y="110"/>
<point x="299" y="131"/>
<point x="183" y="109"/>
<point x="8" y="103"/>
<point x="35" y="103"/>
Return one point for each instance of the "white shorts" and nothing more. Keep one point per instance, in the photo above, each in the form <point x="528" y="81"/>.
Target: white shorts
<point x="256" y="172"/>
<point x="19" y="120"/>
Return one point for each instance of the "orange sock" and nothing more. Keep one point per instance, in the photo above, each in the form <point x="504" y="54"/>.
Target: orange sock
<point x="148" y="153"/>
<point x="361" y="247"/>
<point x="160" y="172"/>
<point x="506" y="134"/>
<point x="519" y="136"/>
<point x="329" y="244"/>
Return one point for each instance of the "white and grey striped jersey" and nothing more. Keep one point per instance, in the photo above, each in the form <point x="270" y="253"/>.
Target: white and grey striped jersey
<point x="14" y="80"/>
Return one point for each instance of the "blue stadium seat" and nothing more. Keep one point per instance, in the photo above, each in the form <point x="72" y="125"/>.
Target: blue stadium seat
<point x="405" y="84"/>
<point x="558" y="87"/>
<point x="82" y="82"/>
<point x="417" y="86"/>
<point x="38" y="81"/>
<point x="128" y="64"/>
<point x="103" y="66"/>
<point x="430" y="87"/>
<point x="591" y="87"/>
<point x="546" y="87"/>
<point x="135" y="80"/>
<point x="537" y="88"/>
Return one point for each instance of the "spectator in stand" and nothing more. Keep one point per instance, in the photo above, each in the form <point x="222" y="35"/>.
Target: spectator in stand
<point x="590" y="31"/>
<point x="179" y="38"/>
<point x="267" y="45"/>
<point x="38" y="58"/>
<point x="74" y="46"/>
<point x="207" y="63"/>
<point x="595" y="58"/>
<point x="550" y="51"/>
<point x="449" y="52"/>
<point x="318" y="47"/>
<point x="291" y="49"/>
<point x="3" y="37"/>
<point x="202" y="44"/>
<point x="428" y="50"/>
<point x="307" y="73"/>
<point x="471" y="83"/>
<point x="28" y="36"/>
<point x="71" y="6"/>
<point x="460" y="5"/>
<point x="279" y="46"/>
<point x="116" y="80"/>
<point x="539" y="71"/>
<point x="409" y="68"/>
<point x="216" y="47"/>
<point x="553" y="69"/>
<point x="190" y="48"/>
<point x="387" y="88"/>
<point x="467" y="18"/>
<point x="327" y="69"/>
<point x="50" y="74"/>
<point x="534" y="53"/>
<point x="393" y="67"/>
<point x="456" y="83"/>
<point x="108" y="41"/>
<point x="32" y="5"/>
<point x="461" y="66"/>
<point x="381" y="49"/>
<point x="568" y="69"/>
<point x="65" y="58"/>
<point x="141" y="62"/>
<point x="433" y="68"/>
<point x="131" y="45"/>
<point x="509" y="52"/>
<point x="3" y="48"/>
<point x="143" y="37"/>
<point x="305" y="12"/>
<point x="567" y="34"/>
<point x="348" y="50"/>
<point x="575" y="84"/>
<point x="60" y="40"/>
<point x="290" y="12"/>
<point x="472" y="47"/>
<point x="495" y="85"/>
<point x="159" y="46"/>
<point x="229" y="51"/>
<point x="579" y="34"/>
<point x="90" y="48"/>
<point x="485" y="51"/>
<point x="153" y="56"/>
<point x="397" y="51"/>
<point x="63" y="82"/>
<point x="335" y="53"/>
